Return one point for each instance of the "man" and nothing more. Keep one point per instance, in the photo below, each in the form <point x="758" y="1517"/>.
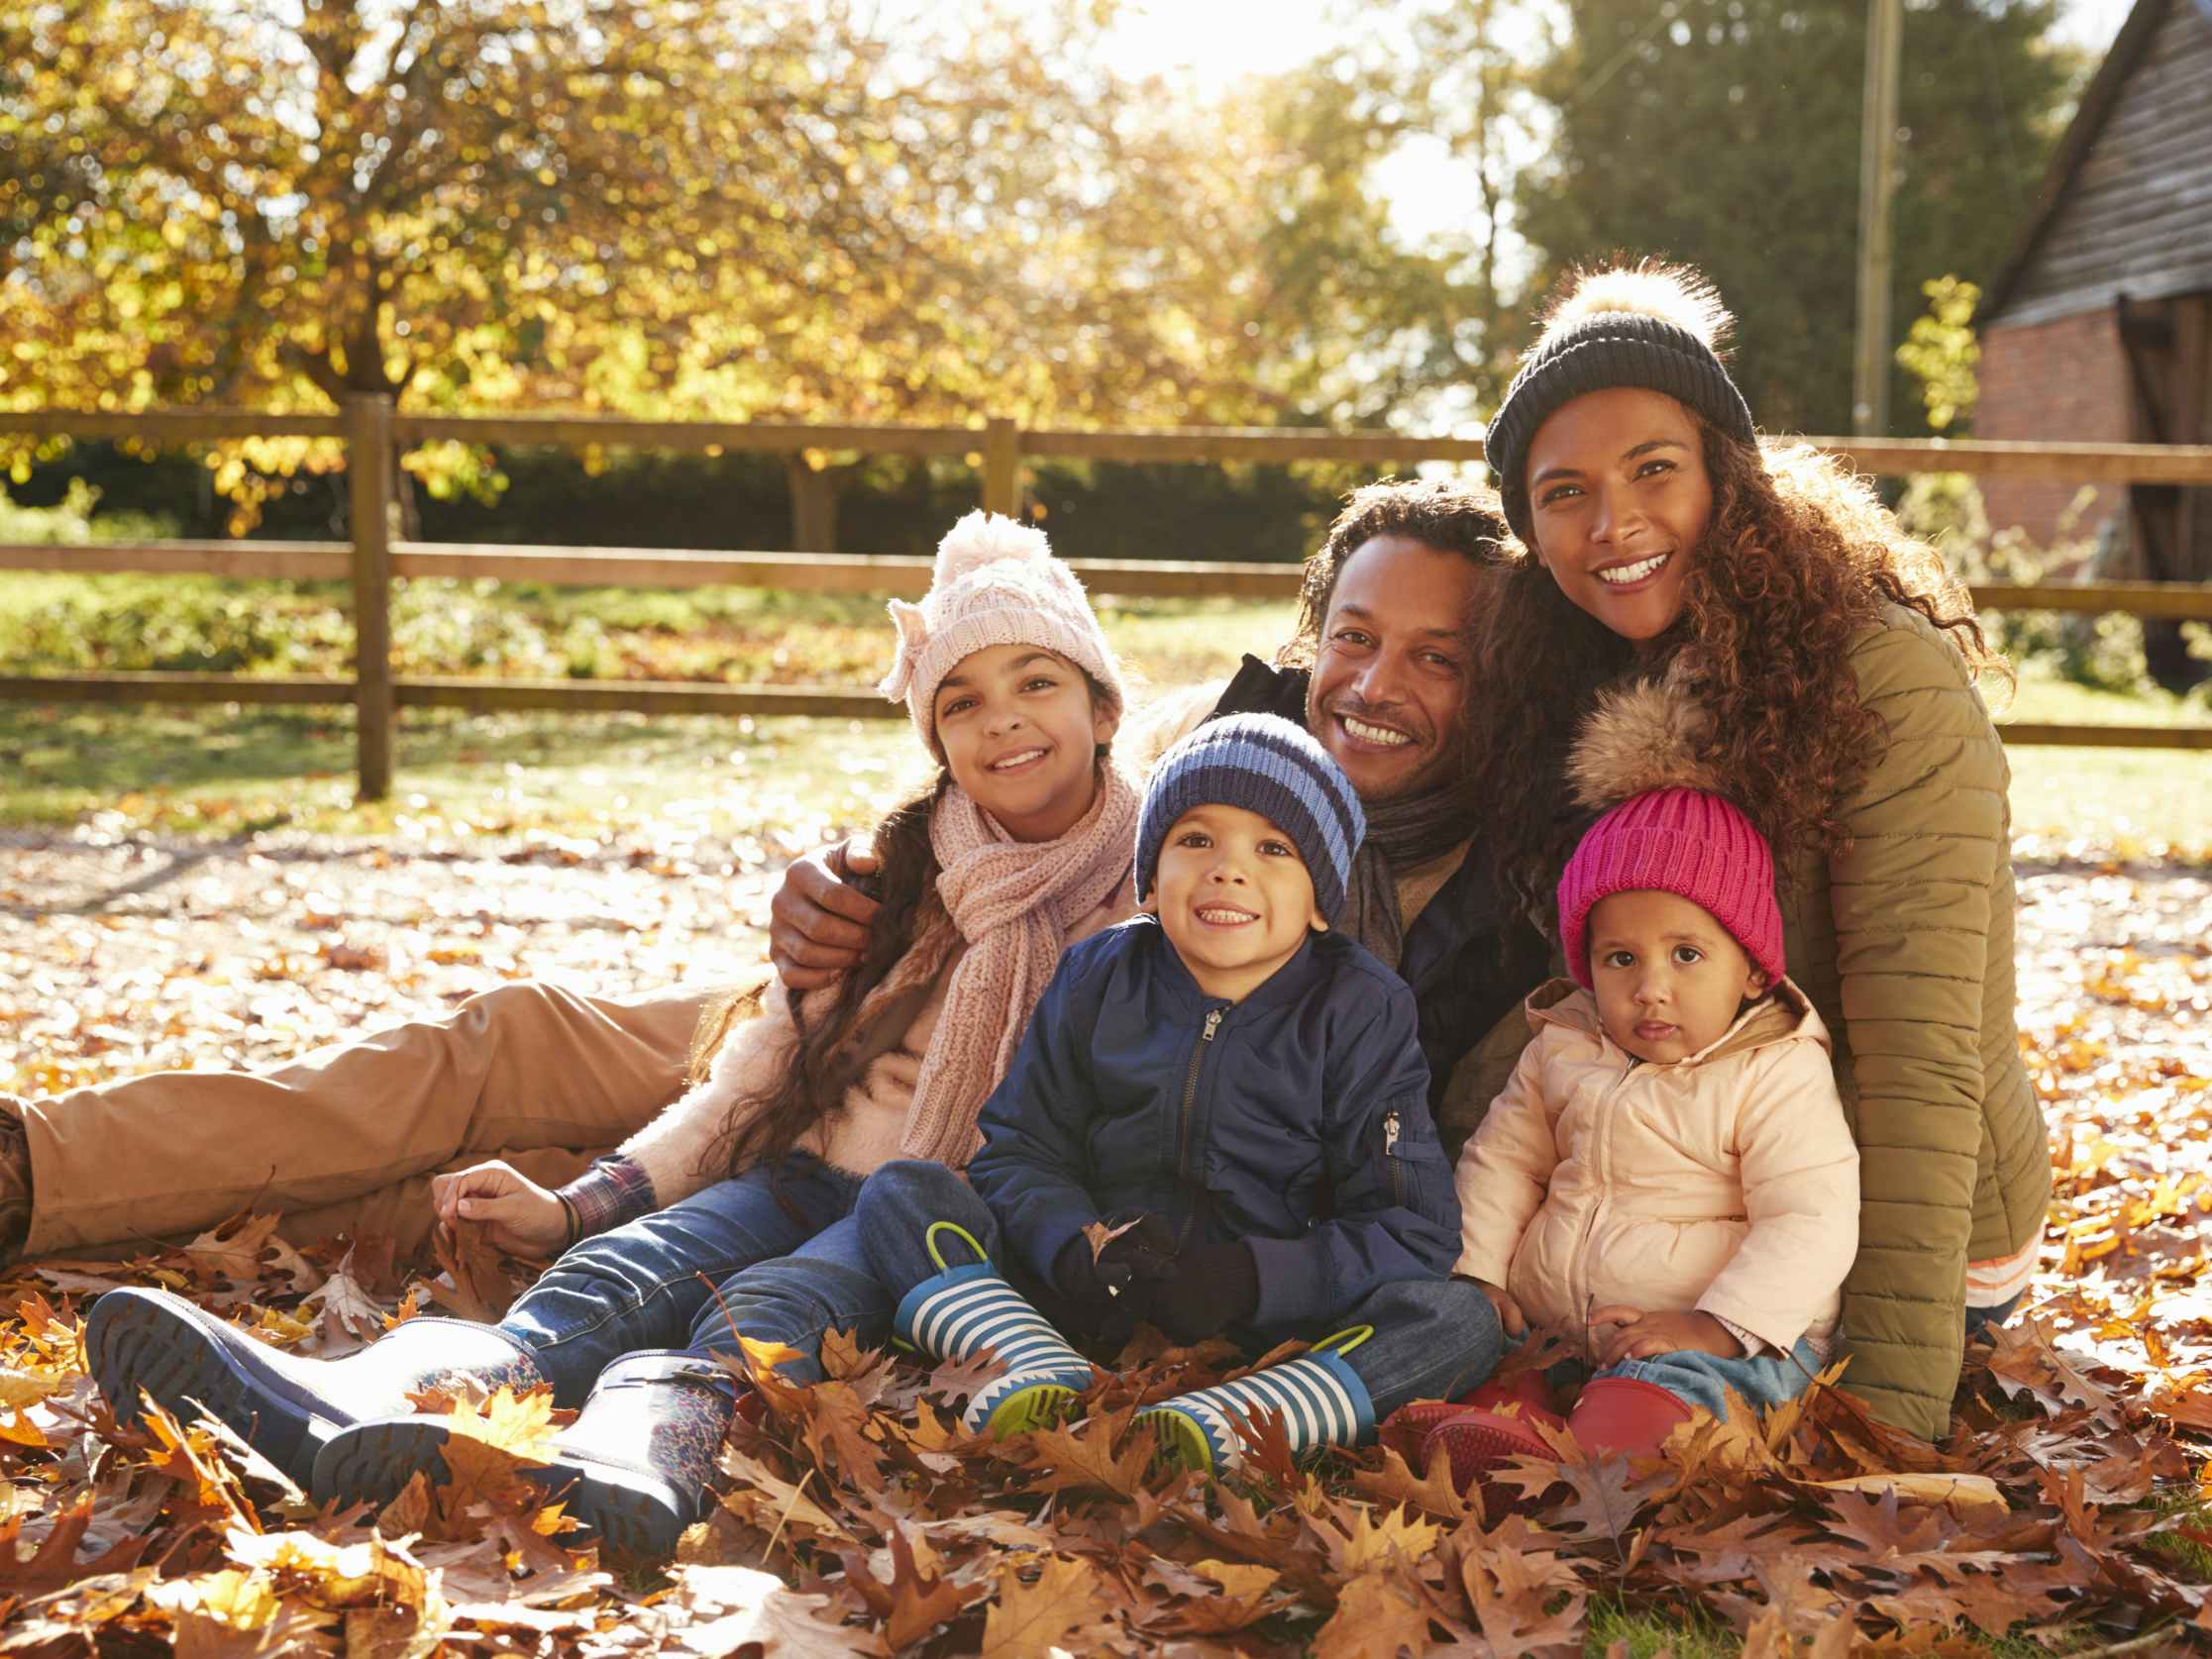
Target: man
<point x="346" y="1138"/>
<point x="1384" y="637"/>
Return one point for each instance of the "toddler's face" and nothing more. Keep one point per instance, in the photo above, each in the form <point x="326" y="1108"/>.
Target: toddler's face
<point x="1235" y="898"/>
<point x="1669" y="979"/>
<point x="1021" y="737"/>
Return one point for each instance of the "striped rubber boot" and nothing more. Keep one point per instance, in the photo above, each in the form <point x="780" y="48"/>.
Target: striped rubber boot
<point x="963" y="1311"/>
<point x="1322" y="1401"/>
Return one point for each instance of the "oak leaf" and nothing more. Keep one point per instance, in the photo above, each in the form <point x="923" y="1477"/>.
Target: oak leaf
<point x="1432" y="1492"/>
<point x="1029" y="1620"/>
<point x="1084" y="1457"/>
<point x="1376" y="1617"/>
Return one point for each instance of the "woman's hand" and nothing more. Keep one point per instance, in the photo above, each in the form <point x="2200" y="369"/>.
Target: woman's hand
<point x="1510" y="1316"/>
<point x="818" y="922"/>
<point x="516" y="1214"/>
<point x="1645" y="1337"/>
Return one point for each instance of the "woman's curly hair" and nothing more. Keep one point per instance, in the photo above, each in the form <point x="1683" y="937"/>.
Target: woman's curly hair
<point x="1798" y="557"/>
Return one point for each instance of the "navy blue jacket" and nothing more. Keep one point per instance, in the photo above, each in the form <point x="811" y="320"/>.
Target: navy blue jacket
<point x="1468" y="958"/>
<point x="1296" y="1121"/>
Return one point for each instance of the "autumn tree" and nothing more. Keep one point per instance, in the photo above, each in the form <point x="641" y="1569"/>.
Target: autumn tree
<point x="1367" y="323"/>
<point x="781" y="210"/>
<point x="1725" y="133"/>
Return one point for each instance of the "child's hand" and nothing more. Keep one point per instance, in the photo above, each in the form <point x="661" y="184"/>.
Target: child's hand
<point x="1510" y="1316"/>
<point x="1643" y="1336"/>
<point x="517" y="1214"/>
<point x="1215" y="1287"/>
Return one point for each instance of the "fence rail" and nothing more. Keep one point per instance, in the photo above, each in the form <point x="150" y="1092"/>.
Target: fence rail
<point x="374" y="434"/>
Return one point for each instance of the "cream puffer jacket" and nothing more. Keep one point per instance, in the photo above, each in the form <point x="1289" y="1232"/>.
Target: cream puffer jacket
<point x="1725" y="1182"/>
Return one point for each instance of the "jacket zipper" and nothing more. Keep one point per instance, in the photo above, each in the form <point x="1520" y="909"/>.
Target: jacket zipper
<point x="1389" y="1158"/>
<point x="1601" y="1163"/>
<point x="1190" y="1088"/>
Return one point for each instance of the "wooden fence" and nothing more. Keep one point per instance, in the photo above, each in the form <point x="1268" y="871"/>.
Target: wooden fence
<point x="374" y="434"/>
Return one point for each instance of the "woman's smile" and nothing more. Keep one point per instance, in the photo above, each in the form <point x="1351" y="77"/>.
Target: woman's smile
<point x="1633" y="575"/>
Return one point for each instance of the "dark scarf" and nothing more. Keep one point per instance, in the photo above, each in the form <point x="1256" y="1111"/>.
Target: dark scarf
<point x="1402" y="834"/>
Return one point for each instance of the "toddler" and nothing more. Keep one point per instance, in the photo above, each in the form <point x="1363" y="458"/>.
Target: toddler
<point x="1668" y="1176"/>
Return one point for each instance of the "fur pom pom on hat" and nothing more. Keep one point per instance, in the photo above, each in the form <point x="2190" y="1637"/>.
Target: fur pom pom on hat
<point x="1668" y="827"/>
<point x="997" y="583"/>
<point x="1648" y="325"/>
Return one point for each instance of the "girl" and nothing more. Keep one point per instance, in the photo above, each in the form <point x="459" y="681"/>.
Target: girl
<point x="1020" y="846"/>
<point x="1667" y="1175"/>
<point x="1836" y="662"/>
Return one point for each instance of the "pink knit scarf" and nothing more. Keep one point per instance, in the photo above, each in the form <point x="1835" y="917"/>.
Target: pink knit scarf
<point x="1014" y="903"/>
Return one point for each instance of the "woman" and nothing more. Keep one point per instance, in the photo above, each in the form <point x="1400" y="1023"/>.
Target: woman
<point x="1834" y="660"/>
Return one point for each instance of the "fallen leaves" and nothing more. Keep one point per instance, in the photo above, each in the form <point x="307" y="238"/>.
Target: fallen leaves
<point x="855" y="1517"/>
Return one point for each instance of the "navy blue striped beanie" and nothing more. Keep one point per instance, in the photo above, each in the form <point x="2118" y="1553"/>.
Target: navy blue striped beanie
<point x="1265" y="765"/>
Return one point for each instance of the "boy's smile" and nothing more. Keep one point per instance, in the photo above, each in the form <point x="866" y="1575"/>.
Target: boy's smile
<point x="1234" y="897"/>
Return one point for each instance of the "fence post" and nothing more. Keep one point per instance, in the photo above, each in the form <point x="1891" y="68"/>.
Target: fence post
<point x="1002" y="466"/>
<point x="368" y="463"/>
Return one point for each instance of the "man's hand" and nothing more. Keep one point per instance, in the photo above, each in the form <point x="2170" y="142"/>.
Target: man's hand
<point x="818" y="922"/>
<point x="1510" y="1315"/>
<point x="1645" y="1337"/>
<point x="516" y="1214"/>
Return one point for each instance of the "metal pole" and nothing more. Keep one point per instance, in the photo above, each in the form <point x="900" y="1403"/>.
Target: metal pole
<point x="1878" y="178"/>
<point x="368" y="481"/>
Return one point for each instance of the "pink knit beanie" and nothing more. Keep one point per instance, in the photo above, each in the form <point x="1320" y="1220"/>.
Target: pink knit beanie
<point x="1678" y="841"/>
<point x="997" y="583"/>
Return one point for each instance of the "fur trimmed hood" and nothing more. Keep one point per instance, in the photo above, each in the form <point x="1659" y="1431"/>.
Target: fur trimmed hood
<point x="1650" y="734"/>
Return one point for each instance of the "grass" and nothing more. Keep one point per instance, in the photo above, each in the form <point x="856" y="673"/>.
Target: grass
<point x="222" y="771"/>
<point x="231" y="770"/>
<point x="2123" y="798"/>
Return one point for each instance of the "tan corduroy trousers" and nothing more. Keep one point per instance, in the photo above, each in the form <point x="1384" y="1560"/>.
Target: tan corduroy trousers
<point x="346" y="1138"/>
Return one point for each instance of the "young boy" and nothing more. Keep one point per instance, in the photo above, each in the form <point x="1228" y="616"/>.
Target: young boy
<point x="1218" y="1120"/>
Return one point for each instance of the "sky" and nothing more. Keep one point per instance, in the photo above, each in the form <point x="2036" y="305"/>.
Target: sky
<point x="1213" y="42"/>
<point x="1207" y="44"/>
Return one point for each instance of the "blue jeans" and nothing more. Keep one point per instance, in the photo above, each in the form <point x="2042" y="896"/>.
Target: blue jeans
<point x="774" y="1254"/>
<point x="1433" y="1337"/>
<point x="1763" y="1380"/>
<point x="1980" y="1319"/>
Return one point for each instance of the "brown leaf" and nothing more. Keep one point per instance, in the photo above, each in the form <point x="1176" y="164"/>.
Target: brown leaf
<point x="1431" y="1491"/>
<point x="54" y="1562"/>
<point x="1083" y="1457"/>
<point x="919" y="1602"/>
<point x="1377" y="1617"/>
<point x="1029" y="1620"/>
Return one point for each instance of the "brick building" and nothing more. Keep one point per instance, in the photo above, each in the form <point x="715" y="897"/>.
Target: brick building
<point x="2100" y="329"/>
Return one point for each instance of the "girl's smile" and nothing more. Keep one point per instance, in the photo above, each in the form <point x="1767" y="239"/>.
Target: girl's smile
<point x="1020" y="732"/>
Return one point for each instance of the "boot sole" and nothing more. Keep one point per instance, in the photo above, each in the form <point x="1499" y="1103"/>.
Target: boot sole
<point x="1181" y="1443"/>
<point x="1476" y="1449"/>
<point x="1040" y="1405"/>
<point x="138" y="1344"/>
<point x="625" y="1511"/>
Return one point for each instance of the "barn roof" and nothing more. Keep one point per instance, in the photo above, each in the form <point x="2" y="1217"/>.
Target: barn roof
<point x="2127" y="205"/>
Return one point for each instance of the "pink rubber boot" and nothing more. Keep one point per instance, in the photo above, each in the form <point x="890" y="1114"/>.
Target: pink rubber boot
<point x="1484" y="1433"/>
<point x="1626" y="1414"/>
<point x="1409" y="1426"/>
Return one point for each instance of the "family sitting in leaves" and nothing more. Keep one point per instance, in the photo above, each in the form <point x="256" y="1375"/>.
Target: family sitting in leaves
<point x="1695" y="702"/>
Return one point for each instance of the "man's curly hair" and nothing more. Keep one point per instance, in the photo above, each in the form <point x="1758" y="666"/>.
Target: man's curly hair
<point x="1451" y="517"/>
<point x="1798" y="558"/>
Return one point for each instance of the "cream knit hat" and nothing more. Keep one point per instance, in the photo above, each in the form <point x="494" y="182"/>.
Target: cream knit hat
<point x="997" y="583"/>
